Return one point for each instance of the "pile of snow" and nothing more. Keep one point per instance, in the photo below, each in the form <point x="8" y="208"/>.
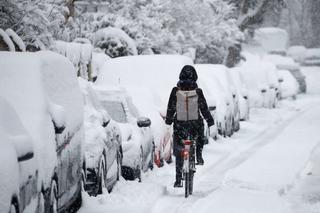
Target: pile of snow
<point x="272" y="40"/>
<point x="5" y="37"/>
<point x="16" y="39"/>
<point x="118" y="35"/>
<point x="313" y="53"/>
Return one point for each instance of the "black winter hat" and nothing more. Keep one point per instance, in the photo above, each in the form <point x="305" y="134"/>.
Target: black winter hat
<point x="188" y="72"/>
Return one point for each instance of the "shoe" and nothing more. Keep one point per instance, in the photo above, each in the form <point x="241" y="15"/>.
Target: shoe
<point x="177" y="184"/>
<point x="200" y="162"/>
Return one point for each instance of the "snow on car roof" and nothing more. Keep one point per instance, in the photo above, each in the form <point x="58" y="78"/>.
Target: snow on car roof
<point x="155" y="73"/>
<point x="272" y="38"/>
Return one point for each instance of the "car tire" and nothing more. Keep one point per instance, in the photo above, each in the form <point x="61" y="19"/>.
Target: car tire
<point x="152" y="157"/>
<point x="14" y="207"/>
<point x="53" y="198"/>
<point x="101" y="177"/>
<point x="119" y="165"/>
<point x="140" y="166"/>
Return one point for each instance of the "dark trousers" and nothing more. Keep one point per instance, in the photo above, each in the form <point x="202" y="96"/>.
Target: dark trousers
<point x="193" y="130"/>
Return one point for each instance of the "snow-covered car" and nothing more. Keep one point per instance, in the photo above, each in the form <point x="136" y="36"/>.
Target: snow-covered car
<point x="287" y="63"/>
<point x="289" y="85"/>
<point x="255" y="73"/>
<point x="18" y="171"/>
<point x="222" y="74"/>
<point x="242" y="92"/>
<point x="137" y="138"/>
<point x="42" y="88"/>
<point x="219" y="99"/>
<point x="312" y="57"/>
<point x="102" y="144"/>
<point x="148" y="79"/>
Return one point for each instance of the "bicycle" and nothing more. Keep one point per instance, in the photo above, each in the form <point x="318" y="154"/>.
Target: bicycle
<point x="189" y="165"/>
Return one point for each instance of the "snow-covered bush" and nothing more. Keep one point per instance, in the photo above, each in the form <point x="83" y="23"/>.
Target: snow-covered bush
<point x="36" y="22"/>
<point x="115" y="42"/>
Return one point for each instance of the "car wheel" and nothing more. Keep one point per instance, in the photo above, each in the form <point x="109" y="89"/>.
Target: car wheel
<point x="119" y="165"/>
<point x="152" y="157"/>
<point x="53" y="208"/>
<point x="101" y="177"/>
<point x="140" y="166"/>
<point x="14" y="207"/>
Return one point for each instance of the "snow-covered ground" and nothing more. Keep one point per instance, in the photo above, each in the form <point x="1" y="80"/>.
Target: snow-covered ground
<point x="270" y="165"/>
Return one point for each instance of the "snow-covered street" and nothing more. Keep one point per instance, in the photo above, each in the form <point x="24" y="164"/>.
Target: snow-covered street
<point x="262" y="168"/>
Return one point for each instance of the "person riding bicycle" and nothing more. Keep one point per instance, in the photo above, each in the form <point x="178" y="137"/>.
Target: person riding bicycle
<point x="185" y="104"/>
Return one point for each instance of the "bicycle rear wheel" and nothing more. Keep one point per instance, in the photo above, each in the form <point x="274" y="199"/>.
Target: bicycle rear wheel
<point x="191" y="182"/>
<point x="187" y="184"/>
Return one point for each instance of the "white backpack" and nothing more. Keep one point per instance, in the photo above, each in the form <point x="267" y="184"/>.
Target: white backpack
<point x="187" y="105"/>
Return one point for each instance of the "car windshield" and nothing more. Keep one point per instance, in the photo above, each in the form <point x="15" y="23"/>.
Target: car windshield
<point x="115" y="110"/>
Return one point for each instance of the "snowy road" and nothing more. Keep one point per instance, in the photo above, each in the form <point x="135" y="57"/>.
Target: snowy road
<point x="260" y="169"/>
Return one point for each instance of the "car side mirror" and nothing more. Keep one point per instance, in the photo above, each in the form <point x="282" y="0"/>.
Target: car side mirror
<point x="263" y="90"/>
<point x="143" y="122"/>
<point x="58" y="116"/>
<point x="212" y="108"/>
<point x="23" y="146"/>
<point x="280" y="80"/>
<point x="245" y="97"/>
<point x="105" y="123"/>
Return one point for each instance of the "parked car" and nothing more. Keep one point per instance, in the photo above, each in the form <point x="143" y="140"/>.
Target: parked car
<point x="286" y="63"/>
<point x="137" y="138"/>
<point x="43" y="89"/>
<point x="18" y="170"/>
<point x="218" y="98"/>
<point x="149" y="81"/>
<point x="255" y="73"/>
<point x="102" y="144"/>
<point x="242" y="92"/>
<point x="312" y="57"/>
<point x="289" y="85"/>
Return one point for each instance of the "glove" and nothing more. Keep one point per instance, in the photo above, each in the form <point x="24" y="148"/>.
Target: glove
<point x="213" y="131"/>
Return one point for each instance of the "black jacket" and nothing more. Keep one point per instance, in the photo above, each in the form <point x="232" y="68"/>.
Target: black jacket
<point x="203" y="107"/>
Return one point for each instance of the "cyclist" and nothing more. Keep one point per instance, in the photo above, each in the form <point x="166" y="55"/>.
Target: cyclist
<point x="186" y="102"/>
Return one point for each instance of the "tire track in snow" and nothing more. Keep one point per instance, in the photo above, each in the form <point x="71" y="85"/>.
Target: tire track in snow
<point x="208" y="179"/>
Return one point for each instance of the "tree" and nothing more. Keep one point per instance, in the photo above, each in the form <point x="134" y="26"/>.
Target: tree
<point x="35" y="21"/>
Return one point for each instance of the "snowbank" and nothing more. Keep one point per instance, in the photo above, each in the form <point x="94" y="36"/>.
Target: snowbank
<point x="13" y="35"/>
<point x="7" y="40"/>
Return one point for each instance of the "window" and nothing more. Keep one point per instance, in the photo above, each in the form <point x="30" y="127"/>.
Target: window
<point x="115" y="110"/>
